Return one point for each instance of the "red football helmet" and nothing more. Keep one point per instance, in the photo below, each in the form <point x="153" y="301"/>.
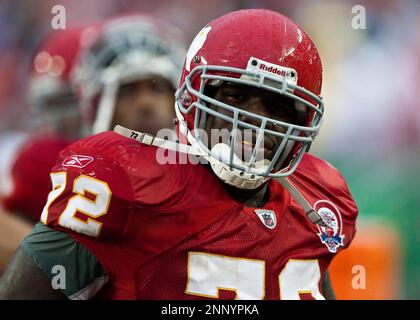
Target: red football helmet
<point x="50" y="91"/>
<point x="258" y="48"/>
<point x="121" y="50"/>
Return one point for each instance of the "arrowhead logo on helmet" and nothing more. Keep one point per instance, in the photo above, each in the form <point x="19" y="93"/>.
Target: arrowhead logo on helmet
<point x="196" y="45"/>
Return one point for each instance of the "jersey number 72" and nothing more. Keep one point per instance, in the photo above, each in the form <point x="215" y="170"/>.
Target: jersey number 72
<point x="93" y="209"/>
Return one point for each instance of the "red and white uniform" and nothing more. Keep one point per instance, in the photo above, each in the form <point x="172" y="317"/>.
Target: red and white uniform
<point x="25" y="167"/>
<point x="173" y="232"/>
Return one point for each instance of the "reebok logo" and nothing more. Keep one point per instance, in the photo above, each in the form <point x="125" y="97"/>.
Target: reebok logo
<point x="77" y="161"/>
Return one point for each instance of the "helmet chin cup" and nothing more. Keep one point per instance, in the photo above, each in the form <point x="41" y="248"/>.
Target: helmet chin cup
<point x="232" y="176"/>
<point x="236" y="178"/>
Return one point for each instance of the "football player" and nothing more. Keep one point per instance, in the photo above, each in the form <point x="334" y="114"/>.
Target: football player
<point x="24" y="187"/>
<point x="127" y="74"/>
<point x="50" y="93"/>
<point x="28" y="158"/>
<point x="124" y="226"/>
<point x="140" y="52"/>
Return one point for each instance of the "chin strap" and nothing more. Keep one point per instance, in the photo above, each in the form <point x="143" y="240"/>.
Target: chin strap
<point x="151" y="140"/>
<point x="310" y="212"/>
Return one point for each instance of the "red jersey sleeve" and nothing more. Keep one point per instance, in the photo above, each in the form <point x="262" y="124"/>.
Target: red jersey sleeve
<point x="100" y="184"/>
<point x="91" y="193"/>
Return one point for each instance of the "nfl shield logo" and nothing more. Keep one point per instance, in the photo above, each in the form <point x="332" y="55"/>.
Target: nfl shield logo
<point x="267" y="217"/>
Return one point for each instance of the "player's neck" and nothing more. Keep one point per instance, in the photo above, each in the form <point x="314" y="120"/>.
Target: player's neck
<point x="250" y="198"/>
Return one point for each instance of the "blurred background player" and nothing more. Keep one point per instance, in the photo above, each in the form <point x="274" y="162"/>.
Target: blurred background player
<point x="55" y="121"/>
<point x="126" y="69"/>
<point x="54" y="124"/>
<point x="50" y="92"/>
<point x="127" y="74"/>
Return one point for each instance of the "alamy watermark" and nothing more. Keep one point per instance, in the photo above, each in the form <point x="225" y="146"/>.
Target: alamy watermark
<point x="59" y="18"/>
<point x="219" y="141"/>
<point x="359" y="280"/>
<point x="58" y="281"/>
<point x="358" y="22"/>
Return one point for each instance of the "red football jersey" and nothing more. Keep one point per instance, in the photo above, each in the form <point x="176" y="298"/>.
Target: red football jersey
<point x="174" y="232"/>
<point x="29" y="182"/>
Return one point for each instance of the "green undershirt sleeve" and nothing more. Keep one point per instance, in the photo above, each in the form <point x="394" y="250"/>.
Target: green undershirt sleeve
<point x="68" y="264"/>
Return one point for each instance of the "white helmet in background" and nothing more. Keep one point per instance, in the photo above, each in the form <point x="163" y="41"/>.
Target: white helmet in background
<point x="119" y="51"/>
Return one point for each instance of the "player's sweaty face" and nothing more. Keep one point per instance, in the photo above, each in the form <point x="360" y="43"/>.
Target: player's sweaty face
<point x="257" y="101"/>
<point x="145" y="105"/>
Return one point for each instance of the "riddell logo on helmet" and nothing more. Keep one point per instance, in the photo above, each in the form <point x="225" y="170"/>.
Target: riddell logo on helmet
<point x="275" y="70"/>
<point x="258" y="65"/>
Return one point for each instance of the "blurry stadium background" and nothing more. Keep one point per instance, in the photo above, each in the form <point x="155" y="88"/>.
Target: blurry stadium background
<point x="372" y="127"/>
